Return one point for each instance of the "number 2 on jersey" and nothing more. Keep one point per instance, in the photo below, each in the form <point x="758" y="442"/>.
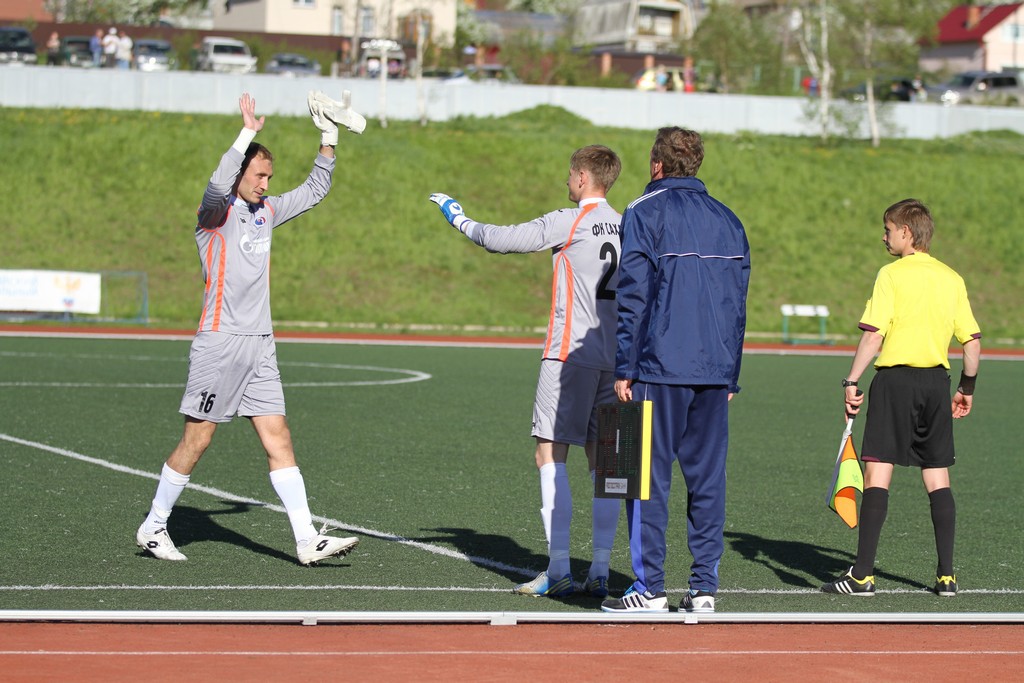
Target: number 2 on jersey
<point x="608" y="252"/>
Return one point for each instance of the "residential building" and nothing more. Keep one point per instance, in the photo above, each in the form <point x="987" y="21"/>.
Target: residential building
<point x="646" y="26"/>
<point x="978" y="37"/>
<point x="364" y="19"/>
<point x="20" y="11"/>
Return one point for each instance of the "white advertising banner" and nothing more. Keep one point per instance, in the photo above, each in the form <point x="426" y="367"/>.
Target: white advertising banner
<point x="49" y="291"/>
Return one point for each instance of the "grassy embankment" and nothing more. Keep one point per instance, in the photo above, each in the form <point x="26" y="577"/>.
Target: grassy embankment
<point x="105" y="190"/>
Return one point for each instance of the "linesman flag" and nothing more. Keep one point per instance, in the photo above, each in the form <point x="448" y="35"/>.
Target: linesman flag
<point x="847" y="479"/>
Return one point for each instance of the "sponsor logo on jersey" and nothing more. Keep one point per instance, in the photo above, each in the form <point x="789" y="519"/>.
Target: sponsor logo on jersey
<point x="260" y="245"/>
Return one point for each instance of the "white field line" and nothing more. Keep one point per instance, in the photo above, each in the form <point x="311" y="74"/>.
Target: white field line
<point x="408" y="375"/>
<point x="48" y="587"/>
<point x="837" y="652"/>
<point x="411" y="340"/>
<point x="513" y="343"/>
<point x="225" y="495"/>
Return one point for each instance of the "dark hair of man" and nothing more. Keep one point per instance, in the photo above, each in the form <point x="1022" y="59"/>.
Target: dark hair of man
<point x="679" y="150"/>
<point x="600" y="162"/>
<point x="916" y="216"/>
<point x="254" y="150"/>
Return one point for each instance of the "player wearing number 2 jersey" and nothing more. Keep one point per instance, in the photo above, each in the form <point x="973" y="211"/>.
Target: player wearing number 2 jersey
<point x="233" y="360"/>
<point x="579" y="351"/>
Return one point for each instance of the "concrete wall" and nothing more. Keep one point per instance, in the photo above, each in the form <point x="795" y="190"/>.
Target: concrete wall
<point x="218" y="93"/>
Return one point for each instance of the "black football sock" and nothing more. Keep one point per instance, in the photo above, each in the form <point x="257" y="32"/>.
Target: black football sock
<point x="874" y="506"/>
<point x="944" y="521"/>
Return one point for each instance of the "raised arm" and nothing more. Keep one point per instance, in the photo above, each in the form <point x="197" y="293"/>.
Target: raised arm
<point x="247" y="104"/>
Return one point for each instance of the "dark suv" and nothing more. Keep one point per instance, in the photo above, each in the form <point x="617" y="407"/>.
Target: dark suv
<point x="16" y="46"/>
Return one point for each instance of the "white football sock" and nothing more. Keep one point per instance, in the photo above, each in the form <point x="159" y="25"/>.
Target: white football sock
<point x="291" y="489"/>
<point x="605" y="512"/>
<point x="561" y="520"/>
<point x="168" y="489"/>
<point x="547" y="498"/>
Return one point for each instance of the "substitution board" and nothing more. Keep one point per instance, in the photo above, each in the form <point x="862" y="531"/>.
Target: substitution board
<point x="623" y="450"/>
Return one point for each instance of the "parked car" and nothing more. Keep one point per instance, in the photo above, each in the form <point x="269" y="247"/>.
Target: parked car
<point x="16" y="46"/>
<point x="888" y="90"/>
<point x="369" y="60"/>
<point x="440" y="72"/>
<point x="74" y="51"/>
<point x="484" y="73"/>
<point x="291" y="64"/>
<point x="154" y="55"/>
<point x="981" y="87"/>
<point x="224" y="55"/>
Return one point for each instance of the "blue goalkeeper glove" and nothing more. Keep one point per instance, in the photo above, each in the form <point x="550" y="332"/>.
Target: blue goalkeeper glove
<point x="451" y="209"/>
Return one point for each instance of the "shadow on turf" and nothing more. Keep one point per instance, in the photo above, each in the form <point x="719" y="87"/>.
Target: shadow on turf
<point x="191" y="525"/>
<point x="504" y="550"/>
<point x="792" y="561"/>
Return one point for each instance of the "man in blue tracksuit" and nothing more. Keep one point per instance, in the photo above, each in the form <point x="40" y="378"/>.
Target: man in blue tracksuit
<point x="682" y="314"/>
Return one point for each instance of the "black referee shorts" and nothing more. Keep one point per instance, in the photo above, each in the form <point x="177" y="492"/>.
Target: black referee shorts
<point x="910" y="418"/>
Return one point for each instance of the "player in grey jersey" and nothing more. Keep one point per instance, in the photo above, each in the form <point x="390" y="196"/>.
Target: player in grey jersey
<point x="233" y="361"/>
<point x="577" y="364"/>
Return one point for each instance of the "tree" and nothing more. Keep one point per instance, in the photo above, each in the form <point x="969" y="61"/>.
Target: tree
<point x="867" y="34"/>
<point x="131" y="12"/>
<point x="736" y="46"/>
<point x="883" y="33"/>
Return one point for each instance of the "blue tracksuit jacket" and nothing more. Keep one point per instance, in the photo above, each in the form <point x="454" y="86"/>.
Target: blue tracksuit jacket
<point x="682" y="288"/>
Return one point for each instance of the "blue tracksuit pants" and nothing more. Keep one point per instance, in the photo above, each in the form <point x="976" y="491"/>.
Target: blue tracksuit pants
<point x="691" y="427"/>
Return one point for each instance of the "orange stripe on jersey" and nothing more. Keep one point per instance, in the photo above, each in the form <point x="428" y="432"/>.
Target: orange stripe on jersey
<point x="210" y="275"/>
<point x="563" y="260"/>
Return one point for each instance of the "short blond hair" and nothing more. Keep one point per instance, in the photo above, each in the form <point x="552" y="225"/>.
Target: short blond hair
<point x="600" y="162"/>
<point x="916" y="216"/>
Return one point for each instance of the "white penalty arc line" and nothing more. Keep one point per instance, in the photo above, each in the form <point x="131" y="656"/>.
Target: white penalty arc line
<point x="410" y="375"/>
<point x="225" y="495"/>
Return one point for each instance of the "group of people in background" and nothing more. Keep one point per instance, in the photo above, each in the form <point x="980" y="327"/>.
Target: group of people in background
<point x="111" y="49"/>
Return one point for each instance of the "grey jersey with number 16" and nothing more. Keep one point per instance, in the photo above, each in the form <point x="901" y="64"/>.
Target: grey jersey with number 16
<point x="585" y="247"/>
<point x="234" y="240"/>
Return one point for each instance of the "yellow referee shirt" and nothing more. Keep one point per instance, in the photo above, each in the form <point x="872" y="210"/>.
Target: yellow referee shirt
<point x="918" y="304"/>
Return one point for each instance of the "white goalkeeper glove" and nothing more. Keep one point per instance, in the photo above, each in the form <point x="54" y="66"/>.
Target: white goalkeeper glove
<point x="340" y="113"/>
<point x="452" y="210"/>
<point x="328" y="129"/>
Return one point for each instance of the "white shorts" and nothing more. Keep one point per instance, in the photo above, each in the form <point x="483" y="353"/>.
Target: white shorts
<point x="231" y="374"/>
<point x="565" y="407"/>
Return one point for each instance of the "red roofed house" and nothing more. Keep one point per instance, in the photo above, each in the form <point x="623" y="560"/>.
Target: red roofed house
<point x="970" y="37"/>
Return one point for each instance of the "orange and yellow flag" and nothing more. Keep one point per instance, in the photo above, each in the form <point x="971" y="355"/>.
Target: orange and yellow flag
<point x="847" y="480"/>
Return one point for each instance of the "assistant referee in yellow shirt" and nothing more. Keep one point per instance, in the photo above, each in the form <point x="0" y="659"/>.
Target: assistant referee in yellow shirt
<point x="917" y="305"/>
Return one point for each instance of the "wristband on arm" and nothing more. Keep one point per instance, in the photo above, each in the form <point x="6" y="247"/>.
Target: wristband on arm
<point x="966" y="386"/>
<point x="246" y="136"/>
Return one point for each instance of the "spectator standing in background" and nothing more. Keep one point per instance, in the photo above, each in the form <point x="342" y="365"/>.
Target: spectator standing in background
<point x="124" y="51"/>
<point x="96" y="48"/>
<point x="53" y="49"/>
<point x="110" y="48"/>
